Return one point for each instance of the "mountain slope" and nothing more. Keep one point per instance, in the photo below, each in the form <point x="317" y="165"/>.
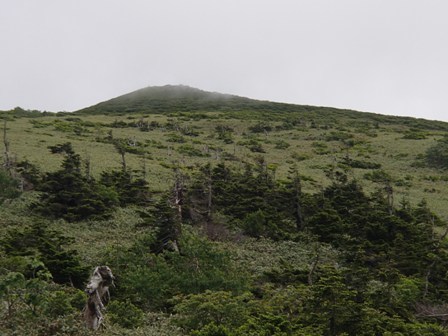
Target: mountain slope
<point x="257" y="176"/>
<point x="162" y="99"/>
<point x="171" y="99"/>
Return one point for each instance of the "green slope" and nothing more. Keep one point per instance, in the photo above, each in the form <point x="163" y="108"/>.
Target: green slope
<point x="169" y="130"/>
<point x="179" y="126"/>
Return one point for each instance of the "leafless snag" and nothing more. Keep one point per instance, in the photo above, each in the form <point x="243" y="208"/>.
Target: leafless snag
<point x="439" y="312"/>
<point x="8" y="161"/>
<point x="314" y="264"/>
<point x="98" y="291"/>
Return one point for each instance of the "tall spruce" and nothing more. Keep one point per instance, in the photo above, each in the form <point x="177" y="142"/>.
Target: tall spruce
<point x="68" y="194"/>
<point x="167" y="225"/>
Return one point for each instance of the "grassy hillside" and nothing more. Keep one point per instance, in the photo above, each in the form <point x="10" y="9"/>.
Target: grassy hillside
<point x="252" y="278"/>
<point x="182" y="127"/>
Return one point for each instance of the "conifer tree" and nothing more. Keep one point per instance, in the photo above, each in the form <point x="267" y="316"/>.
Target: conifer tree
<point x="167" y="225"/>
<point x="50" y="247"/>
<point x="9" y="187"/>
<point x="130" y="190"/>
<point x="70" y="195"/>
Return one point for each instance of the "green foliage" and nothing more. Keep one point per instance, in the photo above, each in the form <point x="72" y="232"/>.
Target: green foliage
<point x="254" y="224"/>
<point x="151" y="281"/>
<point x="212" y="330"/>
<point x="176" y="138"/>
<point x="250" y="199"/>
<point x="166" y="224"/>
<point x="38" y="243"/>
<point x="361" y="164"/>
<point x="299" y="157"/>
<point x="76" y="128"/>
<point x="372" y="235"/>
<point x="320" y="148"/>
<point x="261" y="127"/>
<point x="9" y="187"/>
<point x="281" y="144"/>
<point x="414" y="135"/>
<point x="437" y="155"/>
<point x="217" y="308"/>
<point x="58" y="304"/>
<point x="125" y="314"/>
<point x="70" y="195"/>
<point x="224" y="133"/>
<point x="36" y="307"/>
<point x="293" y="253"/>
<point x="334" y="306"/>
<point x="128" y="146"/>
<point x="338" y="136"/>
<point x="130" y="190"/>
<point x="378" y="176"/>
<point x="30" y="173"/>
<point x="190" y="150"/>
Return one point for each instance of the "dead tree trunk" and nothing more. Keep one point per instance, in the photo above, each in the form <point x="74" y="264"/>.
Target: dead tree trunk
<point x="314" y="265"/>
<point x="178" y="202"/>
<point x="390" y="197"/>
<point x="98" y="291"/>
<point x="88" y="168"/>
<point x="8" y="163"/>
<point x="120" y="147"/>
<point x="297" y="188"/>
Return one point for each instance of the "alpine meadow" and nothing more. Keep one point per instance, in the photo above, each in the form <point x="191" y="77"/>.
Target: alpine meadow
<point x="218" y="215"/>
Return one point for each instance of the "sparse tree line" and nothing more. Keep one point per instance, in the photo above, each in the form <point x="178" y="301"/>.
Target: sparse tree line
<point x="387" y="275"/>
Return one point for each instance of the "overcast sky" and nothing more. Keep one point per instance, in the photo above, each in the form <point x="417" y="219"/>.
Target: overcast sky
<point x="384" y="56"/>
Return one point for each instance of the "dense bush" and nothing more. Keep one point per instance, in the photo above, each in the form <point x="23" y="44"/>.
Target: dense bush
<point x="360" y="164"/>
<point x="150" y="281"/>
<point x="68" y="194"/>
<point x="129" y="189"/>
<point x="9" y="187"/>
<point x="125" y="314"/>
<point x="437" y="155"/>
<point x="37" y="307"/>
<point x="261" y="127"/>
<point x="37" y="248"/>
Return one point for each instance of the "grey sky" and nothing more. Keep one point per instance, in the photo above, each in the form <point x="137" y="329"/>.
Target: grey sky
<point x="385" y="56"/>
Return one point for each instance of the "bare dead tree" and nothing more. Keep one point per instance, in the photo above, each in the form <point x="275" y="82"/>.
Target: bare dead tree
<point x="439" y="312"/>
<point x="209" y="198"/>
<point x="314" y="264"/>
<point x="297" y="185"/>
<point x="144" y="167"/>
<point x="98" y="291"/>
<point x="88" y="167"/>
<point x="8" y="161"/>
<point x="178" y="191"/>
<point x="390" y="196"/>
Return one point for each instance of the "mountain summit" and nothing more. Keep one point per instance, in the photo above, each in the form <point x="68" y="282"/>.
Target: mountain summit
<point x="182" y="98"/>
<point x="168" y="98"/>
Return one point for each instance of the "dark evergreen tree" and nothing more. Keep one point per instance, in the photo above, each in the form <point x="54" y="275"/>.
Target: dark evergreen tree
<point x="437" y="155"/>
<point x="130" y="190"/>
<point x="9" y="186"/>
<point x="70" y="195"/>
<point x="166" y="222"/>
<point x="242" y="196"/>
<point x="30" y="173"/>
<point x="290" y="199"/>
<point x="51" y="248"/>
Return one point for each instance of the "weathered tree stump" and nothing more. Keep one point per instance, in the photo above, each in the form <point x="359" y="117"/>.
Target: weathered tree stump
<point x="98" y="291"/>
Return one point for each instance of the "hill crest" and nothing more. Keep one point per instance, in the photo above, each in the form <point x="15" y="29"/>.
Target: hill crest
<point x="159" y="99"/>
<point x="169" y="99"/>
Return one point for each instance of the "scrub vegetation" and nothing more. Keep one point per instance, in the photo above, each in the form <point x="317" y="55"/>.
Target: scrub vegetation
<point x="221" y="215"/>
